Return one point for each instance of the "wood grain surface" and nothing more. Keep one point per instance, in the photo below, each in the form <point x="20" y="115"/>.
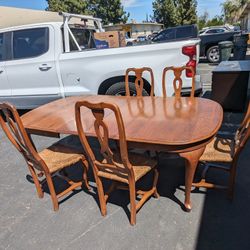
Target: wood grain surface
<point x="154" y="120"/>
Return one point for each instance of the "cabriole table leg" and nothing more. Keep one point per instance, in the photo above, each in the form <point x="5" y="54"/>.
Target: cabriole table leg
<point x="191" y="162"/>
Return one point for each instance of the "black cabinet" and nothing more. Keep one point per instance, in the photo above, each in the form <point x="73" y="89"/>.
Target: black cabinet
<point x="230" y="84"/>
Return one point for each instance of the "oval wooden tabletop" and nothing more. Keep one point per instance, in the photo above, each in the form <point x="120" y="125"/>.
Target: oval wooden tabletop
<point x="157" y="120"/>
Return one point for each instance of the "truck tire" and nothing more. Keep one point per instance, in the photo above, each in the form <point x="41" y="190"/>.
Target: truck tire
<point x="119" y="89"/>
<point x="213" y="55"/>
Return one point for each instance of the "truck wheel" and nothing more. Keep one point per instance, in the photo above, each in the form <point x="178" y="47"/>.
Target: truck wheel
<point x="119" y="89"/>
<point x="213" y="54"/>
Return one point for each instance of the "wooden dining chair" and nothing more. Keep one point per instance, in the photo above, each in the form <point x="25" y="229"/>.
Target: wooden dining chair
<point x="117" y="165"/>
<point x="223" y="153"/>
<point x="177" y="82"/>
<point x="139" y="81"/>
<point x="48" y="163"/>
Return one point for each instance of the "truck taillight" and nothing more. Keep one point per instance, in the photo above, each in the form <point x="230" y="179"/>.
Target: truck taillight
<point x="190" y="51"/>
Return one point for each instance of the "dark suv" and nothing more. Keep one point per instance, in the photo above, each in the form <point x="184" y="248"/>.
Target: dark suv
<point x="177" y="33"/>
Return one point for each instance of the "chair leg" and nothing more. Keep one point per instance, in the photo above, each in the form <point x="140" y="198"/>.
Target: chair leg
<point x="156" y="175"/>
<point x="85" y="171"/>
<point x="132" y="194"/>
<point x="36" y="181"/>
<point x="101" y="195"/>
<point x="52" y="192"/>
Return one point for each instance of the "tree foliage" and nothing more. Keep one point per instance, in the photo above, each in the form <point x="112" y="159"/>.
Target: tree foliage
<point x="164" y="12"/>
<point x="111" y="11"/>
<point x="175" y="12"/>
<point x="204" y="21"/>
<point x="216" y="21"/>
<point x="70" y="6"/>
<point x="232" y="9"/>
<point x="186" y="11"/>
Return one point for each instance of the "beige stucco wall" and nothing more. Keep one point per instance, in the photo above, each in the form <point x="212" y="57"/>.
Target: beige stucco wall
<point x="136" y="29"/>
<point x="144" y="29"/>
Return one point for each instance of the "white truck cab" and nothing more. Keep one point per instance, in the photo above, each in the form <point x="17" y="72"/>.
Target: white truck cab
<point x="46" y="61"/>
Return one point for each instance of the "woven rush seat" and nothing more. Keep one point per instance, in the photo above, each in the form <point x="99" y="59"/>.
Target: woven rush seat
<point x="219" y="150"/>
<point x="140" y="163"/>
<point x="117" y="165"/>
<point x="46" y="165"/>
<point x="59" y="156"/>
<point x="223" y="154"/>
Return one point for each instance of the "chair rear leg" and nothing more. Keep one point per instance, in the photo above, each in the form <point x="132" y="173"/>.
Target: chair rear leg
<point x="101" y="195"/>
<point x="36" y="181"/>
<point x="52" y="192"/>
<point x="85" y="173"/>
<point x="156" y="176"/>
<point x="132" y="195"/>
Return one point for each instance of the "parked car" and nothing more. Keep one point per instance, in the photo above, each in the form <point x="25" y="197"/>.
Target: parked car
<point x="177" y="33"/>
<point x="212" y="31"/>
<point x="130" y="41"/>
<point x="209" y="43"/>
<point x="47" y="61"/>
<point x="151" y="36"/>
<point x="141" y="39"/>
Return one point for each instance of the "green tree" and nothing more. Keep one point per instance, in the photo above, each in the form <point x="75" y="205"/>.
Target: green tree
<point x="175" y="12"/>
<point x="232" y="9"/>
<point x="70" y="6"/>
<point x="164" y="12"/>
<point x="216" y="21"/>
<point x="186" y="11"/>
<point x="110" y="11"/>
<point x="202" y="20"/>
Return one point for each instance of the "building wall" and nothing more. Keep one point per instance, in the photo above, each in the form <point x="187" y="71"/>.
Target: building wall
<point x="144" y="29"/>
<point x="245" y="17"/>
<point x="248" y="22"/>
<point x="136" y="29"/>
<point x="245" y="22"/>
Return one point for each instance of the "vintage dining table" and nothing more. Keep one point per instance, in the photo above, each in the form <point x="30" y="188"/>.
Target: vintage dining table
<point x="180" y="125"/>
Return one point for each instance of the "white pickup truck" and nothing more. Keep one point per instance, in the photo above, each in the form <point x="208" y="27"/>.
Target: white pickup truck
<point x="47" y="61"/>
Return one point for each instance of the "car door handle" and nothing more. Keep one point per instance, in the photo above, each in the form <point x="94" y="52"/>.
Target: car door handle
<point x="45" y="67"/>
<point x="1" y="71"/>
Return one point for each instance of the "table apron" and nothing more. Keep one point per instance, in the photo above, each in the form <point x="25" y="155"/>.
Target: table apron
<point x="42" y="133"/>
<point x="143" y="145"/>
<point x="170" y="148"/>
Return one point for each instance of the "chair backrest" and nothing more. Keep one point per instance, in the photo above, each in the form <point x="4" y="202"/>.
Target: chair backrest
<point x="139" y="82"/>
<point x="177" y="79"/>
<point x="18" y="136"/>
<point x="243" y="133"/>
<point x="102" y="132"/>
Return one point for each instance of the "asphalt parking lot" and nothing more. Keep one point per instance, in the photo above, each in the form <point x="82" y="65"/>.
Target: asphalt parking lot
<point x="27" y="222"/>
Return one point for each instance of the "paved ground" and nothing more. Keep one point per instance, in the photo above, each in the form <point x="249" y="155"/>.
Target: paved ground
<point x="27" y="222"/>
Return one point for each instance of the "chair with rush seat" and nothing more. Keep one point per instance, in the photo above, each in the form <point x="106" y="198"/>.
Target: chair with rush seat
<point x="224" y="153"/>
<point x="139" y="82"/>
<point x="117" y="165"/>
<point x="50" y="162"/>
<point x="177" y="79"/>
